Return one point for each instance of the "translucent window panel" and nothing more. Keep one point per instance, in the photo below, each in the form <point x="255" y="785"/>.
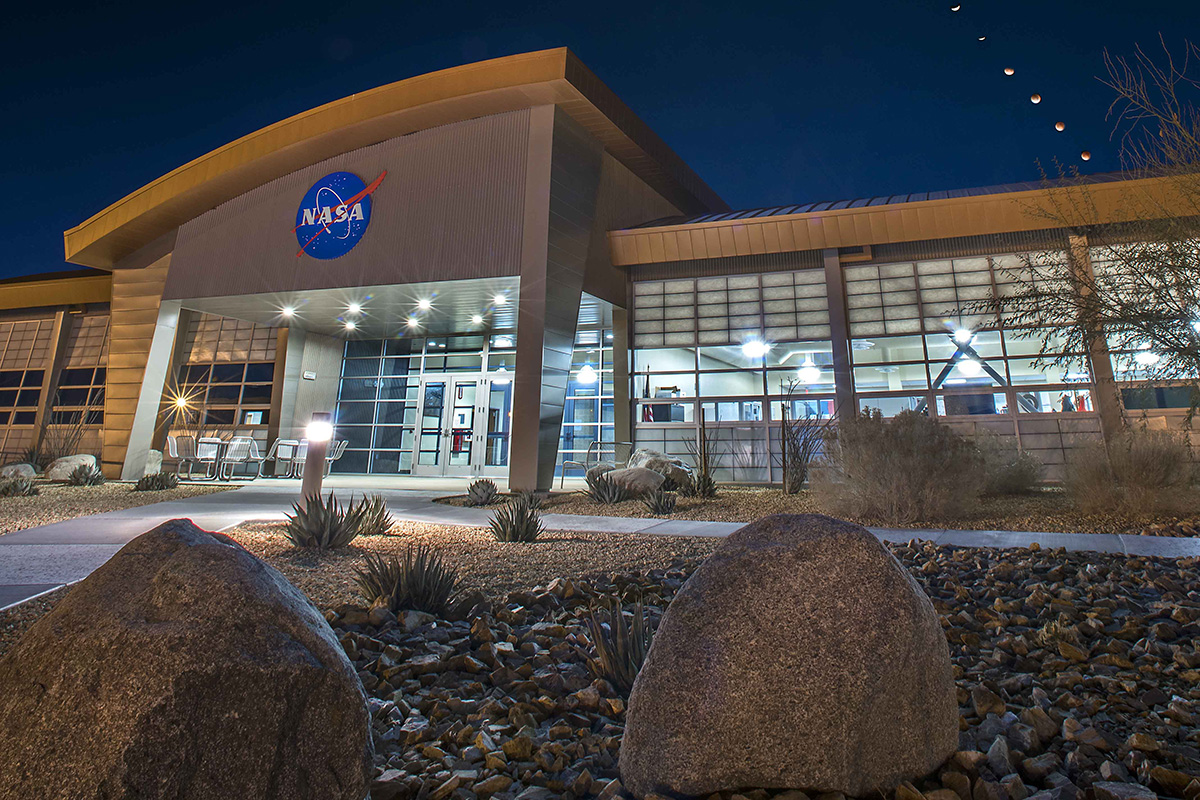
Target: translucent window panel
<point x="1149" y="397"/>
<point x="675" y="384"/>
<point x="364" y="347"/>
<point x="391" y="462"/>
<point x="943" y="346"/>
<point x="401" y="365"/>
<point x="499" y="424"/>
<point x="355" y="413"/>
<point x="1026" y="371"/>
<point x="716" y="384"/>
<point x="804" y="408"/>
<point x="795" y="354"/>
<point x="498" y="360"/>
<point x="224" y="393"/>
<point x="887" y="350"/>
<point x="733" y="411"/>
<point x="668" y="360"/>
<point x="228" y="373"/>
<point x="642" y="288"/>
<point x="358" y="389"/>
<point x="890" y="378"/>
<point x="727" y="357"/>
<point x="778" y="380"/>
<point x="358" y="436"/>
<point x="968" y="372"/>
<point x="359" y="367"/>
<point x="971" y="404"/>
<point x="891" y="406"/>
<point x="742" y="281"/>
<point x="1028" y="342"/>
<point x="399" y="388"/>
<point x="352" y="461"/>
<point x="396" y="413"/>
<point x="256" y="394"/>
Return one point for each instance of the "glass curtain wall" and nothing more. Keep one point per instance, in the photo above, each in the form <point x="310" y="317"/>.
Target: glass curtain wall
<point x="588" y="412"/>
<point x="910" y="350"/>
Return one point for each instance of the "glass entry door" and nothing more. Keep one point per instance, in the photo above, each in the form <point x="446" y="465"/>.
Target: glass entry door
<point x="463" y="426"/>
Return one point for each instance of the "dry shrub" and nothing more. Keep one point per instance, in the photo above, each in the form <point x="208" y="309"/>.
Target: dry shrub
<point x="1007" y="469"/>
<point x="1142" y="472"/>
<point x="903" y="470"/>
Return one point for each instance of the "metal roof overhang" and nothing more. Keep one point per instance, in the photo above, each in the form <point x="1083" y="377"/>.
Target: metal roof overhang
<point x="426" y="101"/>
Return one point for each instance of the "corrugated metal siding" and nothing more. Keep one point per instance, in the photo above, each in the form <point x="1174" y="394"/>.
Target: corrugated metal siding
<point x="451" y="207"/>
<point x="962" y="247"/>
<point x="736" y="265"/>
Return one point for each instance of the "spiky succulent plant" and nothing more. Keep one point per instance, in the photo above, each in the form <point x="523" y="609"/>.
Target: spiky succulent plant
<point x="420" y="581"/>
<point x="482" y="492"/>
<point x="324" y="524"/>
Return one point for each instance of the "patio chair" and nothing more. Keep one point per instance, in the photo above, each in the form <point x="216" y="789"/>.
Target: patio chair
<point x="241" y="450"/>
<point x="283" y="453"/>
<point x="336" y="449"/>
<point x="183" y="450"/>
<point x="208" y="453"/>
<point x="621" y="452"/>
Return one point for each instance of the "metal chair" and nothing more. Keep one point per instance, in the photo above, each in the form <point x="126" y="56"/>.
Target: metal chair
<point x="241" y="450"/>
<point x="334" y="453"/>
<point x="183" y="450"/>
<point x="208" y="453"/>
<point x="283" y="453"/>
<point x="594" y="456"/>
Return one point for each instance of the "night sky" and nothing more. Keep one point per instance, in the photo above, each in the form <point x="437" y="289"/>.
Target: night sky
<point x="770" y="104"/>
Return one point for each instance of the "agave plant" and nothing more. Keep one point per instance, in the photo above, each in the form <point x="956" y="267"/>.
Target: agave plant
<point x="156" y="481"/>
<point x="516" y="522"/>
<point x="376" y="521"/>
<point x="659" y="502"/>
<point x="481" y="492"/>
<point x="324" y="524"/>
<point x="530" y="498"/>
<point x="705" y="486"/>
<point x="85" y="475"/>
<point x="604" y="490"/>
<point x="620" y="647"/>
<point x="420" y="580"/>
<point x="18" y="487"/>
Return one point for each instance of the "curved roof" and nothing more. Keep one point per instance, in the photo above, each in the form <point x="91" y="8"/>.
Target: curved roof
<point x="426" y="101"/>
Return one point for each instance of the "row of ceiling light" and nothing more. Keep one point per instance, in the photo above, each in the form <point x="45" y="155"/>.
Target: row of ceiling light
<point x="414" y="321"/>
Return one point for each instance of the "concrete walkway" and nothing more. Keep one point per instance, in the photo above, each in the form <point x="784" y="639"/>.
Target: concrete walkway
<point x="41" y="559"/>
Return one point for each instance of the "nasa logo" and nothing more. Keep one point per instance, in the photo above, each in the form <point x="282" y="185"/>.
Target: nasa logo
<point x="334" y="214"/>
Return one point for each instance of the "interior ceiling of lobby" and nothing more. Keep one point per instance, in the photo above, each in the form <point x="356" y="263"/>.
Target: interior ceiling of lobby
<point x="385" y="311"/>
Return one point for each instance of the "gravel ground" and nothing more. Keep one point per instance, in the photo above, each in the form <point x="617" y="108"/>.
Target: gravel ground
<point x="57" y="502"/>
<point x="1046" y="510"/>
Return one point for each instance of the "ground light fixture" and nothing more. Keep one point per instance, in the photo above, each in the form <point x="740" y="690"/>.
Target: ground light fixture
<point x="318" y="433"/>
<point x="586" y="376"/>
<point x="809" y="372"/>
<point x="755" y="348"/>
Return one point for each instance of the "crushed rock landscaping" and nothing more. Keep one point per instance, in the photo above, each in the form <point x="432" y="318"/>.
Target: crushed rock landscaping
<point x="57" y="502"/>
<point x="1077" y="674"/>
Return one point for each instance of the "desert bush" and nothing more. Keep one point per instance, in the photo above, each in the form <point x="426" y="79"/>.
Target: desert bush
<point x="481" y="492"/>
<point x="420" y="581"/>
<point x="659" y="502"/>
<point x="1140" y="471"/>
<point x="376" y="521"/>
<point x="516" y="522"/>
<point x="604" y="490"/>
<point x="156" y="482"/>
<point x="703" y="485"/>
<point x="18" y="487"/>
<point x="620" y="647"/>
<point x="1007" y="469"/>
<point x="324" y="524"/>
<point x="907" y="469"/>
<point x="85" y="475"/>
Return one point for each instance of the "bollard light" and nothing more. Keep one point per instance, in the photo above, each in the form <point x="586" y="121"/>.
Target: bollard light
<point x="318" y="433"/>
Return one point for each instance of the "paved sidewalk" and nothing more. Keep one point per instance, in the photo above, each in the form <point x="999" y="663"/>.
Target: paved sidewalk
<point x="41" y="559"/>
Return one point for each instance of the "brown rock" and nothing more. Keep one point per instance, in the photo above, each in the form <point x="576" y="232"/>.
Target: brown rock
<point x="1109" y="790"/>
<point x="636" y="480"/>
<point x="806" y="643"/>
<point x="183" y="668"/>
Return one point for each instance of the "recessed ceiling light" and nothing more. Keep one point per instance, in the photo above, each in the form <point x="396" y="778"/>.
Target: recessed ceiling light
<point x="424" y="304"/>
<point x="500" y="300"/>
<point x="413" y="322"/>
<point x="755" y="349"/>
<point x="351" y="325"/>
<point x="477" y="320"/>
<point x="287" y="311"/>
<point x="354" y="308"/>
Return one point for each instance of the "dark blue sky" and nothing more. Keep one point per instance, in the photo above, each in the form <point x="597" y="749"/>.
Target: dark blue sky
<point x="770" y="104"/>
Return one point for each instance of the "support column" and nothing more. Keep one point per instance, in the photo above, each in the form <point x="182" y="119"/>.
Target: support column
<point x="322" y="357"/>
<point x="179" y="357"/>
<point x="288" y="379"/>
<point x="1104" y="385"/>
<point x="622" y="412"/>
<point x="149" y="398"/>
<point x="839" y="333"/>
<point x="562" y="179"/>
<point x="276" y="415"/>
<point x="59" y="334"/>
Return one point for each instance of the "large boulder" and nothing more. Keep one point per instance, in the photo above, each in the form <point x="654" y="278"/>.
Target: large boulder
<point x="636" y="480"/>
<point x="183" y="668"/>
<point x="677" y="470"/>
<point x="800" y="655"/>
<point x="18" y="471"/>
<point x="599" y="469"/>
<point x="61" y="468"/>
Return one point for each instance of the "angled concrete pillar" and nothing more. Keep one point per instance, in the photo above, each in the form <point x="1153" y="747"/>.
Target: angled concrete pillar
<point x="562" y="179"/>
<point x="1106" y="396"/>
<point x="59" y="335"/>
<point x="149" y="398"/>
<point x="622" y="411"/>
<point x="839" y="333"/>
